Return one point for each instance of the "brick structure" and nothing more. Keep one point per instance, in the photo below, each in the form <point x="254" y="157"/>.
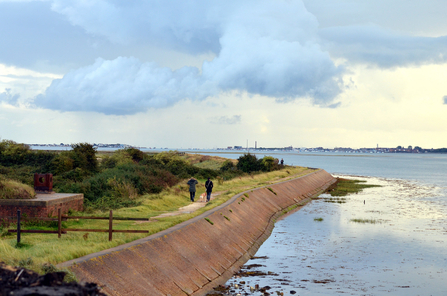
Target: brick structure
<point x="44" y="205"/>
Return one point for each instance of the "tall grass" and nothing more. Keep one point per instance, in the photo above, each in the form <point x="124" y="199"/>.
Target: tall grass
<point x="10" y="189"/>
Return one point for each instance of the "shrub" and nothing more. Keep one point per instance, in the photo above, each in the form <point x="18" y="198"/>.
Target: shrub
<point x="248" y="163"/>
<point x="269" y="163"/>
<point x="122" y="189"/>
<point x="136" y="154"/>
<point x="118" y="157"/>
<point x="62" y="163"/>
<point x="12" y="153"/>
<point x="143" y="178"/>
<point x="84" y="156"/>
<point x="227" y="165"/>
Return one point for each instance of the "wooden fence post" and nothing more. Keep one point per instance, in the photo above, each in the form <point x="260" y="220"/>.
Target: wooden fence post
<point x="18" y="227"/>
<point x="110" y="225"/>
<point x="59" y="223"/>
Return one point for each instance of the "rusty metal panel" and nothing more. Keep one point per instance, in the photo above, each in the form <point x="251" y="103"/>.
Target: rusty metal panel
<point x="43" y="183"/>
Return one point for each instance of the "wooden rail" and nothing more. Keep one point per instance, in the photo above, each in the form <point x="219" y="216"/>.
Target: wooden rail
<point x="61" y="218"/>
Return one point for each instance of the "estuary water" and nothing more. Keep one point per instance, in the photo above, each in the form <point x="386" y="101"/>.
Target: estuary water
<point x="388" y="240"/>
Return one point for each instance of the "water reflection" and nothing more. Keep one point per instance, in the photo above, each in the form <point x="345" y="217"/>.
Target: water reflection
<point x="397" y="246"/>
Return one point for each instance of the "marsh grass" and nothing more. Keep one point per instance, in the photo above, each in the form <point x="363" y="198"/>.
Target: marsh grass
<point x="365" y="221"/>
<point x="346" y="186"/>
<point x="47" y="249"/>
<point x="335" y="200"/>
<point x="318" y="219"/>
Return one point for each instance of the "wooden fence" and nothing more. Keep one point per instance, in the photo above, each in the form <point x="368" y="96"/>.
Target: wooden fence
<point x="61" y="230"/>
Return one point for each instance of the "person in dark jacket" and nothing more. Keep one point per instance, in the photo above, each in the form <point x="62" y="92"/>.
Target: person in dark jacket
<point x="209" y="188"/>
<point x="192" y="188"/>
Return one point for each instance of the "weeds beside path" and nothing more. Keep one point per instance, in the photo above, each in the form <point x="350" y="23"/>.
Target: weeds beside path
<point x="166" y="209"/>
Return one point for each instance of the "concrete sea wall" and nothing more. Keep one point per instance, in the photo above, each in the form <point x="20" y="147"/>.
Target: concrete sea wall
<point x="197" y="255"/>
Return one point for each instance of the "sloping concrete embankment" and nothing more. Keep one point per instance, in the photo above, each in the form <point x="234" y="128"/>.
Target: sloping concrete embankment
<point x="195" y="256"/>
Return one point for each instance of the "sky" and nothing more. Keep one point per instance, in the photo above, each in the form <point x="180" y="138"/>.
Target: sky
<point x="213" y="74"/>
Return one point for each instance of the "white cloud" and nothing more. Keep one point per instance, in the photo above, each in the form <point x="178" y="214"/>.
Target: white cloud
<point x="262" y="47"/>
<point x="123" y="86"/>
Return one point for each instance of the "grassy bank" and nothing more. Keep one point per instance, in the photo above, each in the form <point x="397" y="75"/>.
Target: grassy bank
<point x="38" y="251"/>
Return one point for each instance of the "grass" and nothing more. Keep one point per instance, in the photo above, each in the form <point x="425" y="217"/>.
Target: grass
<point x="272" y="190"/>
<point x="345" y="186"/>
<point x="291" y="208"/>
<point x="318" y="219"/>
<point x="47" y="249"/>
<point x="206" y="161"/>
<point x="10" y="189"/>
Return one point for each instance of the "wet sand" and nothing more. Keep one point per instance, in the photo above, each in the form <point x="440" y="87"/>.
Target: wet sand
<point x="389" y="240"/>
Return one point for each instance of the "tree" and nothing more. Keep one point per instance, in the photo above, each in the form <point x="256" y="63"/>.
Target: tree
<point x="12" y="153"/>
<point x="248" y="163"/>
<point x="84" y="157"/>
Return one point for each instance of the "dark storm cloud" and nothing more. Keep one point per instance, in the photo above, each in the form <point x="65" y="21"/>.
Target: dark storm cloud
<point x="373" y="45"/>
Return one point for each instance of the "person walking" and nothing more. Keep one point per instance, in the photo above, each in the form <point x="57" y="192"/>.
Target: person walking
<point x="192" y="188"/>
<point x="209" y="188"/>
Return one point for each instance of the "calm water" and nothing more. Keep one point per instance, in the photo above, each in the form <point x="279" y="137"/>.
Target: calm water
<point x="402" y="253"/>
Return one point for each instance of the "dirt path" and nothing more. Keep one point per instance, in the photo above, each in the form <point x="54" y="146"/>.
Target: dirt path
<point x="200" y="203"/>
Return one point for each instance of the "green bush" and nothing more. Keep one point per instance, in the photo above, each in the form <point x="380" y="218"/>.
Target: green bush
<point x="227" y="165"/>
<point x="12" y="154"/>
<point x="118" y="157"/>
<point x="248" y="163"/>
<point x="143" y="178"/>
<point x="269" y="163"/>
<point x="136" y="154"/>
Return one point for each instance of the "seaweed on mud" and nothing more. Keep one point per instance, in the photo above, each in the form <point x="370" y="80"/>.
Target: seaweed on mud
<point x="325" y="281"/>
<point x="243" y="273"/>
<point x="259" y="257"/>
<point x="253" y="266"/>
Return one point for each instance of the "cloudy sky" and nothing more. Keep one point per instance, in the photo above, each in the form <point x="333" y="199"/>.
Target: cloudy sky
<point x="208" y="74"/>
